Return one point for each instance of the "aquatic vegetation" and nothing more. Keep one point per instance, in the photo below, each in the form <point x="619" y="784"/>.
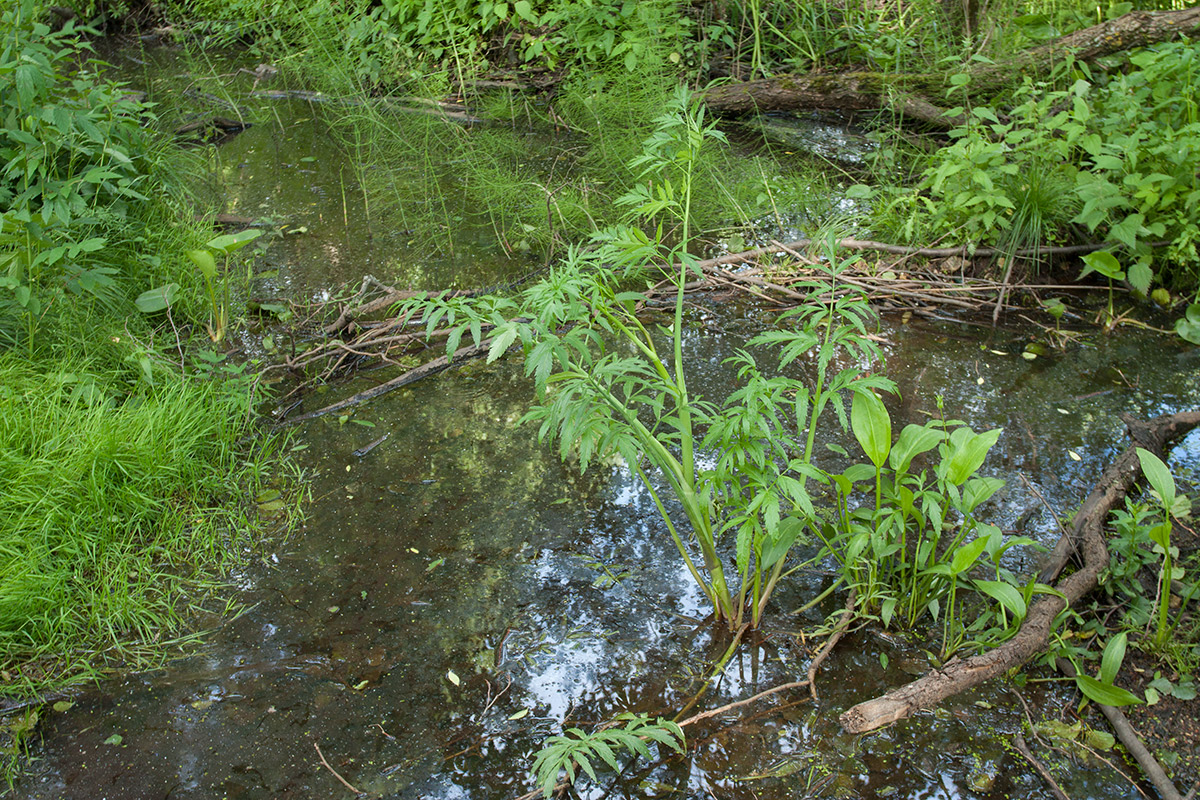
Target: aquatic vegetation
<point x="1115" y="155"/>
<point x="910" y="551"/>
<point x="216" y="280"/>
<point x="577" y="749"/>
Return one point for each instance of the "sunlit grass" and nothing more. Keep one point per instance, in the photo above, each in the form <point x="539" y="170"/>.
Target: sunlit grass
<point x="115" y="510"/>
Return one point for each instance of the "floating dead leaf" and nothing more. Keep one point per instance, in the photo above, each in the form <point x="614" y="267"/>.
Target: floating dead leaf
<point x="524" y="712"/>
<point x="979" y="381"/>
<point x="63" y="705"/>
<point x="450" y="676"/>
<point x="1074" y="456"/>
<point x="1063" y="411"/>
<point x="116" y="738"/>
<point x="358" y="687"/>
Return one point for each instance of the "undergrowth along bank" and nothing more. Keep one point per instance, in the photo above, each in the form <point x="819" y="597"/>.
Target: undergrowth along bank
<point x="128" y="445"/>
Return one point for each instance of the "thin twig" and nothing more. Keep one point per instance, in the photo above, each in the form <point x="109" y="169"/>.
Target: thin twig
<point x="1065" y="545"/>
<point x="827" y="648"/>
<point x="341" y="780"/>
<point x="1023" y="749"/>
<point x="739" y="703"/>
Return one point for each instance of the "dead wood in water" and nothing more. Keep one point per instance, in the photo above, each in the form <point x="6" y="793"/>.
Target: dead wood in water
<point x="412" y="375"/>
<point x="1133" y="743"/>
<point x="1087" y="532"/>
<point x="356" y="338"/>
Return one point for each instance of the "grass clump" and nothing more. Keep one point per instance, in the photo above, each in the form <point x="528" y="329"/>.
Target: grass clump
<point x="111" y="511"/>
<point x="122" y="444"/>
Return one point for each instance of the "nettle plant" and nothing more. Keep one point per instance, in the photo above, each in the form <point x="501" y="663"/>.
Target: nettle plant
<point x="608" y="385"/>
<point x="74" y="168"/>
<point x="1113" y="155"/>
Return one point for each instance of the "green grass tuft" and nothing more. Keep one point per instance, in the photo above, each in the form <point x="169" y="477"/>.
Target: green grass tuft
<point x="110" y="514"/>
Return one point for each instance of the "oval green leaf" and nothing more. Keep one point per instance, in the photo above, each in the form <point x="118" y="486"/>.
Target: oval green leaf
<point x="156" y="299"/>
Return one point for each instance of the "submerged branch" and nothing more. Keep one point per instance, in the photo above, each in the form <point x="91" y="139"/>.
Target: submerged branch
<point x="352" y="339"/>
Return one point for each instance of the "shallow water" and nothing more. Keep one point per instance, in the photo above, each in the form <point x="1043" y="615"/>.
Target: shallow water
<point x="460" y="547"/>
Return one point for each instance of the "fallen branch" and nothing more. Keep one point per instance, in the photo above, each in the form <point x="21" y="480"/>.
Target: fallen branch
<point x="351" y="340"/>
<point x="1088" y="531"/>
<point x="827" y="648"/>
<point x="713" y="712"/>
<point x="341" y="780"/>
<point x="423" y="371"/>
<point x="1133" y="743"/>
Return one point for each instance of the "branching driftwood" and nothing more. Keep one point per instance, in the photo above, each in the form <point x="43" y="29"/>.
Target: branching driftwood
<point x="1087" y="535"/>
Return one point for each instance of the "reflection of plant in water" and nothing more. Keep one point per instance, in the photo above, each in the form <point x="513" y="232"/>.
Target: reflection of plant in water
<point x="527" y="646"/>
<point x="610" y="573"/>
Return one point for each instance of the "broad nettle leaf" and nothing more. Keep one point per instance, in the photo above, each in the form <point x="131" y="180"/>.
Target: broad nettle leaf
<point x="777" y="542"/>
<point x="1114" y="656"/>
<point x="966" y="453"/>
<point x="1006" y="595"/>
<point x="204" y="260"/>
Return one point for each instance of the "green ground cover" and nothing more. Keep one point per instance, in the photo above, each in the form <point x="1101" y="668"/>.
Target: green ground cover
<point x="127" y="441"/>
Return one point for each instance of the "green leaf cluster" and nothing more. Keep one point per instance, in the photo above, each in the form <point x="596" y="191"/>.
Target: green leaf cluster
<point x="1112" y="156"/>
<point x="76" y="164"/>
<point x="915" y="540"/>
<point x="610" y="386"/>
<point x="586" y="751"/>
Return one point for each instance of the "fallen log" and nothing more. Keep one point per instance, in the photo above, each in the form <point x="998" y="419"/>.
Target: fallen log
<point x="423" y="371"/>
<point x="1087" y="532"/>
<point x="908" y="94"/>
